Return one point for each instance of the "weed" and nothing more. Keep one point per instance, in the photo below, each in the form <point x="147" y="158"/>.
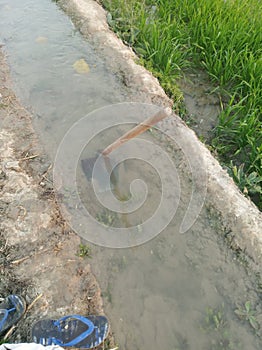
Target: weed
<point x="214" y="319"/>
<point x="215" y="324"/>
<point x="247" y="313"/>
<point x="249" y="184"/>
<point x="106" y="217"/>
<point x="84" y="251"/>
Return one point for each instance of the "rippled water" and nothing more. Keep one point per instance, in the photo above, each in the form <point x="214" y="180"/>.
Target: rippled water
<point x="178" y="291"/>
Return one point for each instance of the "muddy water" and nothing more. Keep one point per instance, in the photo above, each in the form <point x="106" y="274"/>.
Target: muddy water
<point x="43" y="46"/>
<point x="178" y="291"/>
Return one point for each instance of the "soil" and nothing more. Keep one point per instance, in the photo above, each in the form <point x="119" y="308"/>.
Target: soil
<point x="39" y="253"/>
<point x="203" y="106"/>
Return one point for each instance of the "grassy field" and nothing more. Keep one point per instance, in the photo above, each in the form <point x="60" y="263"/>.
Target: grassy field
<point x="224" y="38"/>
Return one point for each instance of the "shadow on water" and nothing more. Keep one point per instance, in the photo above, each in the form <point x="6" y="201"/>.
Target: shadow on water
<point x="176" y="291"/>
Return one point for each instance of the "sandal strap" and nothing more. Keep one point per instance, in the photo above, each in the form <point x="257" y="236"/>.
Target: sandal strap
<point x="81" y="337"/>
<point x="6" y="313"/>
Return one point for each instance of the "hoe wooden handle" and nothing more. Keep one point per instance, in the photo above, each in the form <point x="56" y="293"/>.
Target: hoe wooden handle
<point x="137" y="130"/>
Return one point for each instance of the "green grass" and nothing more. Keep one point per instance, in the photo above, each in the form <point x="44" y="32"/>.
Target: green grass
<point x="224" y="38"/>
<point x="84" y="251"/>
<point x="247" y="313"/>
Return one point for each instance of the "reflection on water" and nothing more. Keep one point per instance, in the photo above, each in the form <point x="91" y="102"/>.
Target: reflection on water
<point x="175" y="292"/>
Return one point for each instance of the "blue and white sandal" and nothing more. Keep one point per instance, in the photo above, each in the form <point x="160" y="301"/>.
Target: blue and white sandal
<point x="12" y="309"/>
<point x="71" y="331"/>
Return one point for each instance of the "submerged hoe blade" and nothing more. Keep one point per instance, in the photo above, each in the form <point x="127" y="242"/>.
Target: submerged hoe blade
<point x="88" y="166"/>
<point x="99" y="170"/>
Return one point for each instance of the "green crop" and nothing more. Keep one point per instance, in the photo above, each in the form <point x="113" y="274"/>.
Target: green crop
<point x="224" y="38"/>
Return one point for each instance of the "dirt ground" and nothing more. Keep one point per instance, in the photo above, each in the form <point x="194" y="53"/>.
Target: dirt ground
<point x="39" y="253"/>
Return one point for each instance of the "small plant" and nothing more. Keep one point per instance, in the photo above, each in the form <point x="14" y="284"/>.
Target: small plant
<point x="248" y="184"/>
<point x="214" y="319"/>
<point x="247" y="313"/>
<point x="216" y="325"/>
<point x="84" y="251"/>
<point x="106" y="218"/>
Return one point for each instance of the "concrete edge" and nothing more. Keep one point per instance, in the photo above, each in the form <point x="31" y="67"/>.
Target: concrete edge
<point x="240" y="217"/>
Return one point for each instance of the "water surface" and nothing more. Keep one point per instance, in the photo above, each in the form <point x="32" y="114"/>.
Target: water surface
<point x="175" y="292"/>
